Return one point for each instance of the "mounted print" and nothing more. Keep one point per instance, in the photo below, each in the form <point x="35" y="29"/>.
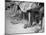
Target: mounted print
<point x="24" y="17"/>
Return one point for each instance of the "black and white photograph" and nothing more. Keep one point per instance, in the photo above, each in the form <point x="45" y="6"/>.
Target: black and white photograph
<point x="24" y="17"/>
